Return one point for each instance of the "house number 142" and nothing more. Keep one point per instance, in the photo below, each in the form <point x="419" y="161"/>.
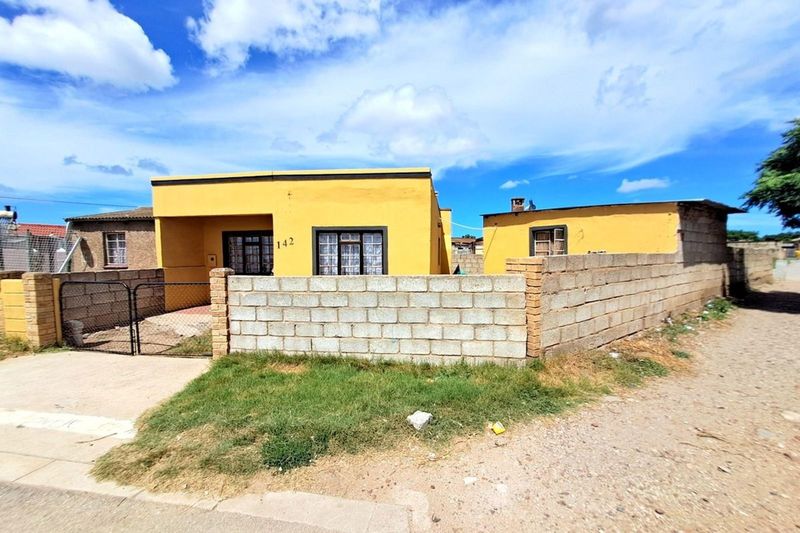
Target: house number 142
<point x="285" y="242"/>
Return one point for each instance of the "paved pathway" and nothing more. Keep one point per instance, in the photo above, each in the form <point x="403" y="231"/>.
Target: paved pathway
<point x="36" y="509"/>
<point x="59" y="412"/>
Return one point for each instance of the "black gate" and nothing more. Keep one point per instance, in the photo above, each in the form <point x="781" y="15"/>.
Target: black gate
<point x="172" y="318"/>
<point x="158" y="318"/>
<point x="97" y="315"/>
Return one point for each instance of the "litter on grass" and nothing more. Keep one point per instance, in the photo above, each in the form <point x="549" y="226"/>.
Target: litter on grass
<point x="419" y="419"/>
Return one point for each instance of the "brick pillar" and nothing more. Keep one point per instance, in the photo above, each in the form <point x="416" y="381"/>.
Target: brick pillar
<point x="219" y="311"/>
<point x="531" y="268"/>
<point x="40" y="312"/>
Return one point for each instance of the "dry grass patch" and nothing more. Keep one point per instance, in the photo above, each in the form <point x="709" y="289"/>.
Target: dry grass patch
<point x="258" y="414"/>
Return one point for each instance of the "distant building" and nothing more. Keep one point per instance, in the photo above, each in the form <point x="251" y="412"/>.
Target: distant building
<point x="697" y="229"/>
<point x="114" y="241"/>
<point x="32" y="247"/>
<point x="464" y="245"/>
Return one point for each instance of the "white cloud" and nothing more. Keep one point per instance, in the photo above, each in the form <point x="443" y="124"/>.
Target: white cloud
<point x="230" y="28"/>
<point x="511" y="184"/>
<point x="404" y="122"/>
<point x="580" y="85"/>
<point x="593" y="85"/>
<point x="84" y="39"/>
<point x="629" y="186"/>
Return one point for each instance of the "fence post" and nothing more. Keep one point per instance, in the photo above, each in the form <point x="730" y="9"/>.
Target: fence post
<point x="219" y="311"/>
<point x="40" y="313"/>
<point x="531" y="268"/>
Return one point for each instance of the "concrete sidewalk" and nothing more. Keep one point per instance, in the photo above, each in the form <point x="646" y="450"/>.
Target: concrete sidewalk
<point x="64" y="464"/>
<point x="60" y="412"/>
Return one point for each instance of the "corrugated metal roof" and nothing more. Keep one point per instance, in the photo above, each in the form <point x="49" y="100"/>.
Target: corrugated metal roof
<point x="140" y="213"/>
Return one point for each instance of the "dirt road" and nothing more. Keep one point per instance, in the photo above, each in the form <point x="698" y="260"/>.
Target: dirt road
<point x="715" y="450"/>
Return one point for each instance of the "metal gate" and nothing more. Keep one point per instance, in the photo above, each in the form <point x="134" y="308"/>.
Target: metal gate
<point x="97" y="315"/>
<point x="158" y="318"/>
<point x="172" y="318"/>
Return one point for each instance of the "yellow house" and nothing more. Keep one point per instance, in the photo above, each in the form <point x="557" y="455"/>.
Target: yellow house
<point x="695" y="228"/>
<point x="300" y="223"/>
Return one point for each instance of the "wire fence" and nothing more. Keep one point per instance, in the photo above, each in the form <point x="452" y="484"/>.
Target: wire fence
<point x="22" y="249"/>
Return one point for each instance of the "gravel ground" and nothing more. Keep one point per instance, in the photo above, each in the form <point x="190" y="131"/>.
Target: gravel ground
<point x="715" y="450"/>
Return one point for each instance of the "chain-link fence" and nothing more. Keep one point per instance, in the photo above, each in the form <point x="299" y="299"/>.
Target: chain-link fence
<point x="32" y="248"/>
<point x="154" y="318"/>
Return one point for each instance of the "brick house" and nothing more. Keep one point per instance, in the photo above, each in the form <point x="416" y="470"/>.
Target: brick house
<point x="114" y="241"/>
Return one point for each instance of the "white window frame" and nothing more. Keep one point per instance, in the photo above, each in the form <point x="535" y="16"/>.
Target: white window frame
<point x="113" y="259"/>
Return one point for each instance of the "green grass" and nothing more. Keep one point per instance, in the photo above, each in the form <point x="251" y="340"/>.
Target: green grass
<point x="13" y="346"/>
<point x="197" y="345"/>
<point x="716" y="309"/>
<point x="267" y="411"/>
<point x="16" y="346"/>
<point x="680" y="354"/>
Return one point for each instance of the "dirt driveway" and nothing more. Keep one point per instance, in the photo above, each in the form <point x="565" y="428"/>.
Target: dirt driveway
<point x="716" y="450"/>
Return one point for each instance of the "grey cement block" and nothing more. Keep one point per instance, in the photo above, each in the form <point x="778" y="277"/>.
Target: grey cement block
<point x="426" y="331"/>
<point x="269" y="343"/>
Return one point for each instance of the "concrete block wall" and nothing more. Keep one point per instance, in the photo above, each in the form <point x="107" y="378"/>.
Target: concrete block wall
<point x="583" y="302"/>
<point x="468" y="263"/>
<point x="703" y="235"/>
<point x="415" y="318"/>
<point x="105" y="305"/>
<point x="750" y="267"/>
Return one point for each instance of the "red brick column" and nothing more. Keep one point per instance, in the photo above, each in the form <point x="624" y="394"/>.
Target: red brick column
<point x="219" y="311"/>
<point x="40" y="312"/>
<point x="532" y="268"/>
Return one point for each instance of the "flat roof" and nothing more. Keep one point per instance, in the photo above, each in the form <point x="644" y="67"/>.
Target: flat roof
<point x="317" y="174"/>
<point x="702" y="201"/>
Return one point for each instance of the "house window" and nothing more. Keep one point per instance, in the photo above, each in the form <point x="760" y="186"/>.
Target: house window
<point x="116" y="250"/>
<point x="349" y="251"/>
<point x="551" y="240"/>
<point x="248" y="252"/>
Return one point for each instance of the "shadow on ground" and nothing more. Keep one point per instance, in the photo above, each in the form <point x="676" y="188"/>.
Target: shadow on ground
<point x="772" y="301"/>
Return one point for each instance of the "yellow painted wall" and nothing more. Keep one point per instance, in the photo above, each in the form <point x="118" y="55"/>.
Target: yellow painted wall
<point x="439" y="235"/>
<point x="14" y="308"/>
<point x="187" y="227"/>
<point x="447" y="228"/>
<point x="614" y="229"/>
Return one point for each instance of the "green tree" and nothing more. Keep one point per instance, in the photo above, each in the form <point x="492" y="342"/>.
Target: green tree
<point x="742" y="235"/>
<point x="785" y="236"/>
<point x="778" y="185"/>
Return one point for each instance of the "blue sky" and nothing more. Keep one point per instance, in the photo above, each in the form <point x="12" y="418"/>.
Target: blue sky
<point x="565" y="102"/>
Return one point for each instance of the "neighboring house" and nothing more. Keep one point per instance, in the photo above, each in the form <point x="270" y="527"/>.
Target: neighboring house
<point x="32" y="247"/>
<point x="479" y="246"/>
<point x="695" y="228"/>
<point x="300" y="223"/>
<point x="464" y="245"/>
<point x="114" y="241"/>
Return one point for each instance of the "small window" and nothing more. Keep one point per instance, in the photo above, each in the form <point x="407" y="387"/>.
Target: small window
<point x="549" y="241"/>
<point x="350" y="252"/>
<point x="116" y="249"/>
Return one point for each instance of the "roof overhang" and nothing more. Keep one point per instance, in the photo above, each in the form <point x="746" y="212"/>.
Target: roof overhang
<point x="284" y="175"/>
<point x="709" y="203"/>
